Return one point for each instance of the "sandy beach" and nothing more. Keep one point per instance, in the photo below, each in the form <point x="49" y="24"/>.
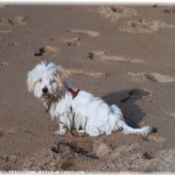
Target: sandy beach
<point x="123" y="54"/>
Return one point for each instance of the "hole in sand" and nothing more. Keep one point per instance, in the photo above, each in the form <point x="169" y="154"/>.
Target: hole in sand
<point x="53" y="149"/>
<point x="118" y="10"/>
<point x="90" y="55"/>
<point x="47" y="50"/>
<point x="139" y="93"/>
<point x="147" y="156"/>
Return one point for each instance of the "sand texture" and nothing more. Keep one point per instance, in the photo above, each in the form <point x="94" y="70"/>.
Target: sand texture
<point x="123" y="54"/>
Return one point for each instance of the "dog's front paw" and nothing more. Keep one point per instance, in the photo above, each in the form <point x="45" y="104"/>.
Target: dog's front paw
<point x="81" y="131"/>
<point x="60" y="132"/>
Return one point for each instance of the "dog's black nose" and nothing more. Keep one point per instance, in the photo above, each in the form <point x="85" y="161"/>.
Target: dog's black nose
<point x="45" y="90"/>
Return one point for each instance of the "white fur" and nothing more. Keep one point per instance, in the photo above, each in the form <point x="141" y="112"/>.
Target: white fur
<point x="85" y="112"/>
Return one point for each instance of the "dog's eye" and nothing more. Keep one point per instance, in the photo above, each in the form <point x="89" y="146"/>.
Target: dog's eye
<point x="52" y="81"/>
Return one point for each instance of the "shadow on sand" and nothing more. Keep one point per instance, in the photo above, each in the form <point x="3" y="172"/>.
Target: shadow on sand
<point x="125" y="100"/>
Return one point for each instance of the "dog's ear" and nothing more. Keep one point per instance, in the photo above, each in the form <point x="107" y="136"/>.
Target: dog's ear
<point x="30" y="82"/>
<point x="62" y="75"/>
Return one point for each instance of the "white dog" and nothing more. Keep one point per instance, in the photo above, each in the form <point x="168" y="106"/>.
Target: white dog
<point x="74" y="108"/>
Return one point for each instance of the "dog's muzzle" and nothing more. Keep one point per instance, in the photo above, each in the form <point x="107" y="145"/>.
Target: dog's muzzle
<point x="45" y="90"/>
<point x="45" y="93"/>
<point x="46" y="96"/>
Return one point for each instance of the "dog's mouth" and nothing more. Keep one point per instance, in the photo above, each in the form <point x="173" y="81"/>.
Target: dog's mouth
<point x="46" y="96"/>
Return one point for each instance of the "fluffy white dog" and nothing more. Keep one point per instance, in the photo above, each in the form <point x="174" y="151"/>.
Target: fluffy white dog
<point x="74" y="108"/>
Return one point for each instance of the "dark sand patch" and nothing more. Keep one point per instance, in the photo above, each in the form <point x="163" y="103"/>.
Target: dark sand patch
<point x="137" y="94"/>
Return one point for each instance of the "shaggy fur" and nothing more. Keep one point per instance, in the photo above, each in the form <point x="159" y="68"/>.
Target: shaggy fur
<point x="85" y="113"/>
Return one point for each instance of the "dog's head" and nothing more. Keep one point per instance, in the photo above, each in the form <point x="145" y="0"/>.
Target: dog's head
<point x="47" y="81"/>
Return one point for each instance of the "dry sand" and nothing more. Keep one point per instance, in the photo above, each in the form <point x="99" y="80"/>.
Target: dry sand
<point x="123" y="54"/>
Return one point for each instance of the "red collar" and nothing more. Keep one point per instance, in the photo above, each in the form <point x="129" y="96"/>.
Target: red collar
<point x="74" y="93"/>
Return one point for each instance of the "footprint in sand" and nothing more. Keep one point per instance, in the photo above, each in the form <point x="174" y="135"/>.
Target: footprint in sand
<point x="67" y="41"/>
<point x="119" y="58"/>
<point x="19" y="20"/>
<point x="137" y="94"/>
<point x="100" y="55"/>
<point x="113" y="13"/>
<point x="144" y="26"/>
<point x="47" y="50"/>
<point x="89" y="33"/>
<point x="159" y="78"/>
<point x="96" y="54"/>
<point x="5" y="64"/>
<point x="14" y="44"/>
<point x="88" y="73"/>
<point x="168" y="11"/>
<point x="155" y="77"/>
<point x="6" y="24"/>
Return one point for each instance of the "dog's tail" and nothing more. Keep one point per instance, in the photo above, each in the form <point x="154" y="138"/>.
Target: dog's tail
<point x="145" y="131"/>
